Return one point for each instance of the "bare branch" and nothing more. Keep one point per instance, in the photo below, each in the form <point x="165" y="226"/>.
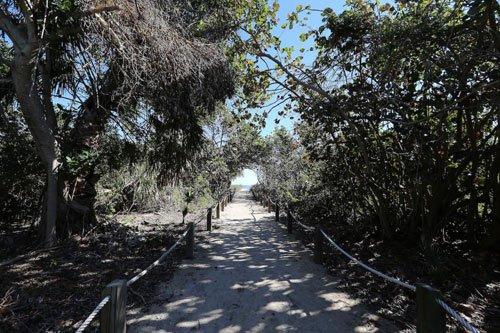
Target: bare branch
<point x="304" y="84"/>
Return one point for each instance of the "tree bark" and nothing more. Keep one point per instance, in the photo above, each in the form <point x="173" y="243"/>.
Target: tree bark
<point x="78" y="190"/>
<point x="70" y="197"/>
<point x="43" y="135"/>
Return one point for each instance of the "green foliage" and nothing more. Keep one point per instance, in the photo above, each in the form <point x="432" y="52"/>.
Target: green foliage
<point x="21" y="175"/>
<point x="406" y="142"/>
<point x="102" y="76"/>
<point x="131" y="188"/>
<point x="229" y="146"/>
<point x="6" y="86"/>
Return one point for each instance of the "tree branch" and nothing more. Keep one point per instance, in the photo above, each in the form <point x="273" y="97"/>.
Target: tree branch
<point x="12" y="30"/>
<point x="26" y="10"/>
<point x="306" y="85"/>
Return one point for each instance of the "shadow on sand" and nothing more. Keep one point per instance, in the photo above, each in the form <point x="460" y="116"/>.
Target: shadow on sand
<point x="249" y="276"/>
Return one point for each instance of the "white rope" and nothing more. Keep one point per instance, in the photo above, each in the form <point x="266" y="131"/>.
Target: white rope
<point x="202" y="218"/>
<point x="305" y="227"/>
<point x="457" y="316"/>
<point x="130" y="282"/>
<point x="93" y="314"/>
<point x="158" y="261"/>
<point x="374" y="271"/>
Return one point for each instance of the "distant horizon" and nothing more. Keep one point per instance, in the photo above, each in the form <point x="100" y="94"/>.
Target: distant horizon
<point x="248" y="177"/>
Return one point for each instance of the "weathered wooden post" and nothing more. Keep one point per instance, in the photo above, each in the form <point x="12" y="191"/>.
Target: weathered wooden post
<point x="113" y="314"/>
<point x="269" y="208"/>
<point x="277" y="216"/>
<point x="289" y="226"/>
<point x="190" y="241"/>
<point x="222" y="205"/>
<point x="217" y="211"/>
<point x="209" y="219"/>
<point x="431" y="317"/>
<point x="318" y="246"/>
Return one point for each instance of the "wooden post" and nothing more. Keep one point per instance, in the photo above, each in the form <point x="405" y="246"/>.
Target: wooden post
<point x="318" y="246"/>
<point x="209" y="219"/>
<point x="277" y="216"/>
<point x="222" y="205"/>
<point x="289" y="226"/>
<point x="269" y="206"/>
<point x="113" y="314"/>
<point x="190" y="241"/>
<point x="217" y="211"/>
<point x="431" y="317"/>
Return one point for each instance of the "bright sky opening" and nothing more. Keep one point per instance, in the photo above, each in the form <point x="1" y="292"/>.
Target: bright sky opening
<point x="248" y="177"/>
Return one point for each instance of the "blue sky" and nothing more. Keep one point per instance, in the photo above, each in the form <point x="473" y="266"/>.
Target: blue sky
<point x="291" y="37"/>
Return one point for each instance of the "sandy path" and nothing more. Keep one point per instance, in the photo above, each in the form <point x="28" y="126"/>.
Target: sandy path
<point x="249" y="276"/>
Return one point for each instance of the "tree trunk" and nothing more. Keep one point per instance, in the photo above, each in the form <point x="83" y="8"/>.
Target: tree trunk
<point x="51" y="205"/>
<point x="78" y="189"/>
<point x="43" y="135"/>
<point x="493" y="239"/>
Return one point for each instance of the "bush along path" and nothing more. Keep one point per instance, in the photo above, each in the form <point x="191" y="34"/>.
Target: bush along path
<point x="249" y="276"/>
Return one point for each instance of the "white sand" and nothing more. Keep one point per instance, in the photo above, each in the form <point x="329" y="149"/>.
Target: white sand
<point x="250" y="276"/>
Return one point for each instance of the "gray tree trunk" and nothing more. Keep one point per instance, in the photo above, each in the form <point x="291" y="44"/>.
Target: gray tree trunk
<point x="27" y="92"/>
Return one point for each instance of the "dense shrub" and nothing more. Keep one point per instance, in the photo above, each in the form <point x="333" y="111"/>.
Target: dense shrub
<point x="21" y="172"/>
<point x="399" y="120"/>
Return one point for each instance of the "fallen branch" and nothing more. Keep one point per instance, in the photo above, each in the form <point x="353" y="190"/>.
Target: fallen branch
<point x="24" y="256"/>
<point x="137" y="294"/>
<point x="7" y="300"/>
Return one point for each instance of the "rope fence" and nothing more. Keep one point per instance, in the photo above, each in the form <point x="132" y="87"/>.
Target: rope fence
<point x="429" y="318"/>
<point x="92" y="315"/>
<point x="457" y="316"/>
<point x="134" y="279"/>
<point x="159" y="260"/>
<point x="431" y="307"/>
<point x="454" y="314"/>
<point x="368" y="268"/>
<point x="114" y="301"/>
<point x="303" y="226"/>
